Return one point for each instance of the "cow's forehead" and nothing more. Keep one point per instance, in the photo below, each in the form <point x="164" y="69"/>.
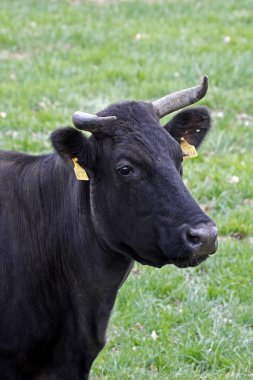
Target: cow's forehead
<point x="134" y="114"/>
<point x="137" y="128"/>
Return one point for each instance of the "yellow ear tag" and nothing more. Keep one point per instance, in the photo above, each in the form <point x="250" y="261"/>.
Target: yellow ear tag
<point x="189" y="150"/>
<point x="80" y="173"/>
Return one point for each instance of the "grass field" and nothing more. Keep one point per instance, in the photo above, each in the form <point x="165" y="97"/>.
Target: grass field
<point x="59" y="56"/>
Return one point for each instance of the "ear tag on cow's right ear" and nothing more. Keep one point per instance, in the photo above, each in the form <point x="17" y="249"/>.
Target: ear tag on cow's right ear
<point x="189" y="150"/>
<point x="80" y="173"/>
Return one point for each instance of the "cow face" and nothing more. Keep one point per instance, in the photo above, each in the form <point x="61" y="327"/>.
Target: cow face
<point x="139" y="204"/>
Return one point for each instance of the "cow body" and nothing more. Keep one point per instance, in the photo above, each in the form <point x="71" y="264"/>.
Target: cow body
<point x="53" y="312"/>
<point x="66" y="246"/>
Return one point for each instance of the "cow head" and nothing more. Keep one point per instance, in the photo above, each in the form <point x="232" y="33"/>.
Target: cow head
<point x="139" y="204"/>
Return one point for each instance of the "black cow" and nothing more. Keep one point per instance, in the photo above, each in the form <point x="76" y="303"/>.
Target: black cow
<point x="66" y="246"/>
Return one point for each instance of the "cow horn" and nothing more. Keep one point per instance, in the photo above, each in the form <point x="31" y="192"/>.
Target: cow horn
<point x="180" y="99"/>
<point x="90" y="123"/>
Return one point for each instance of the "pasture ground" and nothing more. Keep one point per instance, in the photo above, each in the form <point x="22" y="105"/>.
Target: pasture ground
<point x="58" y="56"/>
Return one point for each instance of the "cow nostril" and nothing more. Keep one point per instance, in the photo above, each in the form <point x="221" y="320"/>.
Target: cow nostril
<point x="202" y="238"/>
<point x="193" y="237"/>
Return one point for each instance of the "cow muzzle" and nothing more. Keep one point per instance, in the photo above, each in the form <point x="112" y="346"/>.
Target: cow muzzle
<point x="199" y="242"/>
<point x="201" y="239"/>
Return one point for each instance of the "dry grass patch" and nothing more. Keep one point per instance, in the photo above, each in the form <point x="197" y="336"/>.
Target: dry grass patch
<point x="14" y="55"/>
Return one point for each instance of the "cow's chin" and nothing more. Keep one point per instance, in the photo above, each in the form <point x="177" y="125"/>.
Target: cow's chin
<point x="180" y="263"/>
<point x="192" y="262"/>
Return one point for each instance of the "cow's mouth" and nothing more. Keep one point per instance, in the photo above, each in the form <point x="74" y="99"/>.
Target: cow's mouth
<point x="188" y="259"/>
<point x="195" y="258"/>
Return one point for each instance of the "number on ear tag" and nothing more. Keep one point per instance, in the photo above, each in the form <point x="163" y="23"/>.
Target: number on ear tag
<point x="189" y="150"/>
<point x="80" y="173"/>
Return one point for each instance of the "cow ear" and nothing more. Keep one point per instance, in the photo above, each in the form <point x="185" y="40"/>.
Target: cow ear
<point x="191" y="124"/>
<point x="72" y="144"/>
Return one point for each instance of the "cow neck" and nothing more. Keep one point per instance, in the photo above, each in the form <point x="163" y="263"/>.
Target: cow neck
<point x="97" y="261"/>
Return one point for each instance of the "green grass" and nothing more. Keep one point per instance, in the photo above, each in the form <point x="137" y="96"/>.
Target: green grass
<point x="58" y="56"/>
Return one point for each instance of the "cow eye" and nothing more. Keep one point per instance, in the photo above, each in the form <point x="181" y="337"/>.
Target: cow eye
<point x="125" y="170"/>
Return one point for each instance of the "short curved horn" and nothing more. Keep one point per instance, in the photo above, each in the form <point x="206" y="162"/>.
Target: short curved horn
<point x="180" y="99"/>
<point x="90" y="123"/>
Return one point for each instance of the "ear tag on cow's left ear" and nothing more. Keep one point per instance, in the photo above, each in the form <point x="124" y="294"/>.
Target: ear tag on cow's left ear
<point x="189" y="150"/>
<point x="80" y="173"/>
